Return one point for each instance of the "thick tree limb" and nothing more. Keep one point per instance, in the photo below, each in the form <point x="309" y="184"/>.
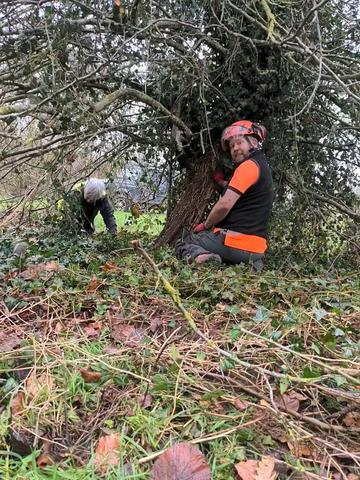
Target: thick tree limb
<point x="126" y="93"/>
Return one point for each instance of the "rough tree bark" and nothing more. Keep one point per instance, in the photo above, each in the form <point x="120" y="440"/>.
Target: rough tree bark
<point x="194" y="201"/>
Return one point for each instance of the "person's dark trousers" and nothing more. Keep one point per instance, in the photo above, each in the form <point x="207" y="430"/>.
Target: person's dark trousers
<point x="194" y="244"/>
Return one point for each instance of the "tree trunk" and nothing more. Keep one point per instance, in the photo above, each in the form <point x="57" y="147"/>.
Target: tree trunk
<point x="193" y="203"/>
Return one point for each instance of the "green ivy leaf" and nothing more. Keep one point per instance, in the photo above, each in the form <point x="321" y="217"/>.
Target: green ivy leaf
<point x="338" y="332"/>
<point x="200" y="356"/>
<point x="316" y="347"/>
<point x="267" y="440"/>
<point x="339" y="380"/>
<point x="234" y="333"/>
<point x="284" y="385"/>
<point x="309" y="373"/>
<point x="174" y="352"/>
<point x="330" y="341"/>
<point x="262" y="314"/>
<point x="320" y="313"/>
<point x="234" y="309"/>
<point x="214" y="395"/>
<point x="161" y="383"/>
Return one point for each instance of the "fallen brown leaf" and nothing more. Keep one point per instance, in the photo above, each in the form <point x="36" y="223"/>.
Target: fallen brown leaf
<point x="182" y="461"/>
<point x="215" y="406"/>
<point x="265" y="469"/>
<point x="17" y="404"/>
<point x="301" y="449"/>
<point x="35" y="271"/>
<point x="241" y="404"/>
<point x="93" y="285"/>
<point x="352" y="419"/>
<point x="107" y="452"/>
<point x="58" y="328"/>
<point x="44" y="460"/>
<point x="248" y="311"/>
<point x="289" y="401"/>
<point x="90" y="376"/>
<point x="8" y="342"/>
<point x="34" y="384"/>
<point x="220" y="307"/>
<point x="279" y="434"/>
<point x="115" y="309"/>
<point x="93" y="329"/>
<point x="127" y="334"/>
<point x="155" y="323"/>
<point x="110" y="394"/>
<point x="146" y="401"/>
<point x="10" y="275"/>
<point x="246" y="470"/>
<point x="298" y="395"/>
<point x="109" y="266"/>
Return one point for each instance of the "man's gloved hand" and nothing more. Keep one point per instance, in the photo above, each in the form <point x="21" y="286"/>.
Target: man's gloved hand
<point x="200" y="227"/>
<point x="218" y="176"/>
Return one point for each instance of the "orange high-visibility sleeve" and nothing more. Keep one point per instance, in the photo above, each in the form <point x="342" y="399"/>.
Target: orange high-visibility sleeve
<point x="245" y="175"/>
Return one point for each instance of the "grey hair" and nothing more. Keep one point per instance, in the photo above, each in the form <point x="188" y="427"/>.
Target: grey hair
<point x="94" y="190"/>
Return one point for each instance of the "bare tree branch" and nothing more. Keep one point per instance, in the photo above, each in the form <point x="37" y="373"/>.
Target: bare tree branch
<point x="322" y="197"/>
<point x="125" y="93"/>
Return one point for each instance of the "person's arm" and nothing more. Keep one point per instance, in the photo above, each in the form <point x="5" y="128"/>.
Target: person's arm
<point x="221" y="208"/>
<point x="245" y="175"/>
<point x="107" y="212"/>
<point x="85" y="214"/>
<point x="88" y="226"/>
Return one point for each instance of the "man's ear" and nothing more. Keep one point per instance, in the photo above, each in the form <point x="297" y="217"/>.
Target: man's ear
<point x="253" y="141"/>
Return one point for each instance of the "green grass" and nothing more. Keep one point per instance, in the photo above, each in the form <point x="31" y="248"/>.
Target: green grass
<point x="148" y="223"/>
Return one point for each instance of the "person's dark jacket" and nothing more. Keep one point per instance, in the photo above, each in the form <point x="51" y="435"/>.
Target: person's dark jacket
<point x="81" y="214"/>
<point x="90" y="210"/>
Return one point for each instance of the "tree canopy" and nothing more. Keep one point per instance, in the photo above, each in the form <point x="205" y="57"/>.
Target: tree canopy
<point x="106" y="80"/>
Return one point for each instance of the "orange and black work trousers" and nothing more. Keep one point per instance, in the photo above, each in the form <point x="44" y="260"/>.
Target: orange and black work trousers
<point x="193" y="244"/>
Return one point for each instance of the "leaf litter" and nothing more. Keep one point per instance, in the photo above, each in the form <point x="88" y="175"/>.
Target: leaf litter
<point x="183" y="391"/>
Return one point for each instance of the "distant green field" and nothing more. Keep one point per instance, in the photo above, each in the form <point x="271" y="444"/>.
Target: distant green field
<point x="150" y="223"/>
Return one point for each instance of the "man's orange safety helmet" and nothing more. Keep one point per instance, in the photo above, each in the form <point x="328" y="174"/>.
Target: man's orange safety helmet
<point x="243" y="127"/>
